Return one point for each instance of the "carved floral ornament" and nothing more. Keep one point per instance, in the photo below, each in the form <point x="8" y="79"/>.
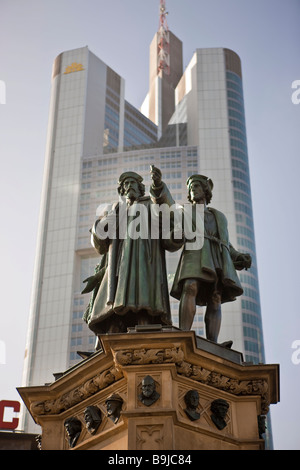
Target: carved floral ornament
<point x="87" y="389"/>
<point x="175" y="355"/>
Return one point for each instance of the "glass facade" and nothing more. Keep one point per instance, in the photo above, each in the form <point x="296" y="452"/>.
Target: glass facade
<point x="112" y="112"/>
<point x="138" y="130"/>
<point x="251" y="314"/>
<point x="48" y="336"/>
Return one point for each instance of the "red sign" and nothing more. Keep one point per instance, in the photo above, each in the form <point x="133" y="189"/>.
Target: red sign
<point x="15" y="421"/>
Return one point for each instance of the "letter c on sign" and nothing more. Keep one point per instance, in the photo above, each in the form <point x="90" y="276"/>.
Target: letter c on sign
<point x="9" y="404"/>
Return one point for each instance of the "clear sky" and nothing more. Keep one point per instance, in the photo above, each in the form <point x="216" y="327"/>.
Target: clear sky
<point x="266" y="36"/>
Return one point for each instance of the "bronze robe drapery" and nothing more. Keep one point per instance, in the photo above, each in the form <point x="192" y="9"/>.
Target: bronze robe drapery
<point x="212" y="265"/>
<point x="132" y="275"/>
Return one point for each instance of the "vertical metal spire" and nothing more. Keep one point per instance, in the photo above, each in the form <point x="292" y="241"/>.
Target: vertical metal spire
<point x="163" y="58"/>
<point x="162" y="15"/>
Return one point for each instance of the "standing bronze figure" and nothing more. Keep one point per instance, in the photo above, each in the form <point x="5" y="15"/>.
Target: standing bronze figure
<point x="130" y="285"/>
<point x="207" y="276"/>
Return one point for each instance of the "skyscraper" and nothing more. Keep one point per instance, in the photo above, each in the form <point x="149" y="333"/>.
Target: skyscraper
<point x="209" y="99"/>
<point x="192" y="122"/>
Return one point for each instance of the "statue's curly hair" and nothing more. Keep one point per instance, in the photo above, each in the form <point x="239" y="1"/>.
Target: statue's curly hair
<point x="207" y="191"/>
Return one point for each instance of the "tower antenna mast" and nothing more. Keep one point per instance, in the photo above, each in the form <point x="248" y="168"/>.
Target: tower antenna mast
<point x="163" y="42"/>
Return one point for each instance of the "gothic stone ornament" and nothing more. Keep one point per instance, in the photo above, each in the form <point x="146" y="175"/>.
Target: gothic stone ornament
<point x="148" y="356"/>
<point x="87" y="389"/>
<point x="73" y="429"/>
<point x="191" y="399"/>
<point x="151" y="436"/>
<point x="219" y="410"/>
<point x="114" y="406"/>
<point x="93" y="418"/>
<point x="175" y="355"/>
<point x="227" y="384"/>
<point x="149" y="395"/>
<point x="170" y="355"/>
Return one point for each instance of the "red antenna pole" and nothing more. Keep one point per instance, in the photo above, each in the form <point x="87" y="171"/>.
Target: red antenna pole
<point x="162" y="15"/>
<point x="163" y="65"/>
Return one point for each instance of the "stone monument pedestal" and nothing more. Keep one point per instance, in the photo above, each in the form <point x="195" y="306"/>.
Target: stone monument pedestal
<point x="178" y="362"/>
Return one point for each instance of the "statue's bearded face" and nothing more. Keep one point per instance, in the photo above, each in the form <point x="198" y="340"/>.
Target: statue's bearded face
<point x="131" y="188"/>
<point x="148" y="388"/>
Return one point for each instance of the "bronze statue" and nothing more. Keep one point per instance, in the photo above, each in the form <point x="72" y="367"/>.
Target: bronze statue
<point x="114" y="406"/>
<point x="207" y="276"/>
<point x="73" y="429"/>
<point x="130" y="287"/>
<point x="93" y="418"/>
<point x="219" y="408"/>
<point x="191" y="399"/>
<point x="261" y="419"/>
<point x="149" y="394"/>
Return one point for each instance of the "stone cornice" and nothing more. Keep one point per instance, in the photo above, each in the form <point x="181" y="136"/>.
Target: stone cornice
<point x="252" y="386"/>
<point x="234" y="379"/>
